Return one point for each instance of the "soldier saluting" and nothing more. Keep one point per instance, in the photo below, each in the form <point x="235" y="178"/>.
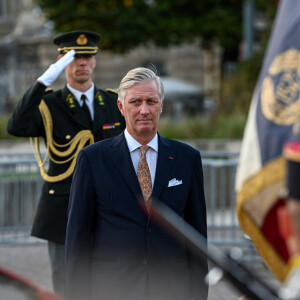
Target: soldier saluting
<point x="68" y="119"/>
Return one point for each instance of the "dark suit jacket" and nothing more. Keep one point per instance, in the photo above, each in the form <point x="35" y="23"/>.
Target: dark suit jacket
<point x="113" y="249"/>
<point x="68" y="119"/>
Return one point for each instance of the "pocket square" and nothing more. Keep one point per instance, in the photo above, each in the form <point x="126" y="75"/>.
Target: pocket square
<point x="174" y="182"/>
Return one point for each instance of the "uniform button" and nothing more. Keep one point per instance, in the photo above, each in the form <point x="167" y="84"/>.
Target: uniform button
<point x="149" y="230"/>
<point x="145" y="262"/>
<point x="51" y="192"/>
<point x="68" y="137"/>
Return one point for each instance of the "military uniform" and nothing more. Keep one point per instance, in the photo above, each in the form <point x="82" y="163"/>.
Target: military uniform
<point x="68" y="119"/>
<point x="31" y="118"/>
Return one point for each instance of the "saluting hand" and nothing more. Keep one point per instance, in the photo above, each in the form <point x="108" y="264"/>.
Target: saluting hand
<point x="55" y="69"/>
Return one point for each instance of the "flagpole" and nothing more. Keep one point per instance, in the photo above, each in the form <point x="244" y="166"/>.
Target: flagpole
<point x="248" y="31"/>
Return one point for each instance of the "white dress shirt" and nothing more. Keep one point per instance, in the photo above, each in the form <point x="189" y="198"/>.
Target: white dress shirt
<point x="135" y="153"/>
<point x="89" y="97"/>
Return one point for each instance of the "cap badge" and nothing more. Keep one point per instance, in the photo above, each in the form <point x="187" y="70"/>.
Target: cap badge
<point x="82" y="40"/>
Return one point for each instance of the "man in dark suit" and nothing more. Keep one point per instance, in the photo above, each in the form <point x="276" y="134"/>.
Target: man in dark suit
<point x="114" y="250"/>
<point x="68" y="119"/>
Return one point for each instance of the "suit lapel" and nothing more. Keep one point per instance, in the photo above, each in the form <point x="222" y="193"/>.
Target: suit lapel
<point x="78" y="115"/>
<point x="75" y="109"/>
<point x="122" y="161"/>
<point x="99" y="111"/>
<point x="165" y="163"/>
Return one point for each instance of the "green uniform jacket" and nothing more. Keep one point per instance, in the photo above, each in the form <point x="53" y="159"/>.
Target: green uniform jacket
<point x="68" y="119"/>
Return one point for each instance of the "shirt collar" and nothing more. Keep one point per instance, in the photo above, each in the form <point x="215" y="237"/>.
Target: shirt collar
<point x="89" y="93"/>
<point x="134" y="144"/>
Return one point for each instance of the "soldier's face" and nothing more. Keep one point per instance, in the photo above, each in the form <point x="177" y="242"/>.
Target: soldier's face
<point x="81" y="69"/>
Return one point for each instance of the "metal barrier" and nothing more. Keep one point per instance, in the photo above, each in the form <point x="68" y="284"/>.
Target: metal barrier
<point x="20" y="185"/>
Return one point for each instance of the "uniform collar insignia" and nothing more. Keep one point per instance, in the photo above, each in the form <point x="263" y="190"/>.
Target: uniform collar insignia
<point x="99" y="99"/>
<point x="71" y="101"/>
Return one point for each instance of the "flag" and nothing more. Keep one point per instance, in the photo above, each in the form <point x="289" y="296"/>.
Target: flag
<point x="274" y="118"/>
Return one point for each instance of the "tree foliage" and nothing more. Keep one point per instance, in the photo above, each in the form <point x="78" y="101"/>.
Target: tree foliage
<point x="237" y="89"/>
<point x="125" y="24"/>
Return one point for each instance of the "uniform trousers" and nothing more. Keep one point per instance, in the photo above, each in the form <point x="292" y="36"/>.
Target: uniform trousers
<point x="57" y="261"/>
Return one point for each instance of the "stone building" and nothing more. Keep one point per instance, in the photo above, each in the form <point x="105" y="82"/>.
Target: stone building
<point x="26" y="49"/>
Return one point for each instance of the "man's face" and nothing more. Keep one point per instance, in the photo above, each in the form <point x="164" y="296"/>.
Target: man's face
<point x="142" y="109"/>
<point x="80" y="70"/>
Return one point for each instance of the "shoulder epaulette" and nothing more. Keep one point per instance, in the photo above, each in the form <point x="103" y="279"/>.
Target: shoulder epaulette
<point x="48" y="90"/>
<point x="112" y="91"/>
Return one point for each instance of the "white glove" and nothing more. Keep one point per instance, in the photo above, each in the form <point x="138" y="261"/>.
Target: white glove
<point x="55" y="69"/>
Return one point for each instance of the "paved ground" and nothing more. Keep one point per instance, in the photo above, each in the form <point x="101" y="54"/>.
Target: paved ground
<point x="32" y="262"/>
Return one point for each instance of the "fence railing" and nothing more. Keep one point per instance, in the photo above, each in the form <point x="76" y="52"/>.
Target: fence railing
<point x="20" y="186"/>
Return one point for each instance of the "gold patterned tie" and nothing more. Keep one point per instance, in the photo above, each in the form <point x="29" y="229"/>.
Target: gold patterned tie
<point x="144" y="175"/>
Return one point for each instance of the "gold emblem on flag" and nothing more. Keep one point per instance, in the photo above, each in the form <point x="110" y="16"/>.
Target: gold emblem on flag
<point x="280" y="93"/>
<point x="82" y="40"/>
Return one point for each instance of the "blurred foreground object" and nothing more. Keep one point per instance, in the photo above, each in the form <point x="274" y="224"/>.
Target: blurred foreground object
<point x="273" y="120"/>
<point x="289" y="220"/>
<point x="226" y="265"/>
<point x="16" y="287"/>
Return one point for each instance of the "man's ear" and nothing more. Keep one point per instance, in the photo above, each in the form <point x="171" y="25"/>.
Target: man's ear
<point x="94" y="61"/>
<point x="120" y="106"/>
